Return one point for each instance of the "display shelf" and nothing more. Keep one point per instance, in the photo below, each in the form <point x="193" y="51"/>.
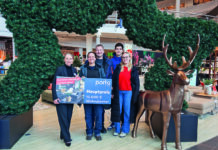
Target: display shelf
<point x="209" y="67"/>
<point x="209" y="60"/>
<point x="205" y="95"/>
<point x="206" y="73"/>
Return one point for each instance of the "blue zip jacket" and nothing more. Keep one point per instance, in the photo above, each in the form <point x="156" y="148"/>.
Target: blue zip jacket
<point x="112" y="65"/>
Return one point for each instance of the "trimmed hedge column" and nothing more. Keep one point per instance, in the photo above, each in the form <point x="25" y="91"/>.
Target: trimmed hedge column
<point x="39" y="53"/>
<point x="146" y="26"/>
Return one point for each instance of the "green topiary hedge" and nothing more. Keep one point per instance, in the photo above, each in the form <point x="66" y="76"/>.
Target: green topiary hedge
<point x="148" y="27"/>
<point x="39" y="53"/>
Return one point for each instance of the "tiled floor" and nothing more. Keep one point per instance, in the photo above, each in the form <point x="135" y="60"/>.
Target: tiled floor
<point x="44" y="134"/>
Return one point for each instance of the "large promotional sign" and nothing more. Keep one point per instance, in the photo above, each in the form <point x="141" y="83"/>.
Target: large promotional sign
<point x="70" y="89"/>
<point x="78" y="90"/>
<point x="97" y="91"/>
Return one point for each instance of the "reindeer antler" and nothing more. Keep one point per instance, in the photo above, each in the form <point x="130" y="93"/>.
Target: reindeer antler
<point x="184" y="64"/>
<point x="169" y="62"/>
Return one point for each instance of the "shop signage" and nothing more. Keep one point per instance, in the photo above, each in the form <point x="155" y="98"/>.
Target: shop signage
<point x="83" y="90"/>
<point x="97" y="91"/>
<point x="70" y="89"/>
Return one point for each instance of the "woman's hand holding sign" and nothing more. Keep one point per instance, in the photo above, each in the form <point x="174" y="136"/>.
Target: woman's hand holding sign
<point x="56" y="101"/>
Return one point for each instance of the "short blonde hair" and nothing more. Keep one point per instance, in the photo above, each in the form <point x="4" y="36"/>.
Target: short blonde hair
<point x="68" y="54"/>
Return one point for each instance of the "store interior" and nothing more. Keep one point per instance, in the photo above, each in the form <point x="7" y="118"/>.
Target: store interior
<point x="202" y="102"/>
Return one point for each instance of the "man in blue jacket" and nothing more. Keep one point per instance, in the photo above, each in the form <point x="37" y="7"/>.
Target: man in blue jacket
<point x="115" y="60"/>
<point x="112" y="65"/>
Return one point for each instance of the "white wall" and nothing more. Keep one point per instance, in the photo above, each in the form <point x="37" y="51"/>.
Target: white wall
<point x="4" y="32"/>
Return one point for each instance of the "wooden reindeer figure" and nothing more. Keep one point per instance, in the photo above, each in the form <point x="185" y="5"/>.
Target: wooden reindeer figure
<point x="169" y="101"/>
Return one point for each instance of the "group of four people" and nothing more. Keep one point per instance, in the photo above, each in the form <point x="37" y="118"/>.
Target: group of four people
<point x="125" y="90"/>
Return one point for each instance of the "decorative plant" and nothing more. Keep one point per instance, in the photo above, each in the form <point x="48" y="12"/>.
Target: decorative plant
<point x="208" y="81"/>
<point x="77" y="62"/>
<point x="39" y="53"/>
<point x="157" y="79"/>
<point x="184" y="105"/>
<point x="148" y="60"/>
<point x="7" y="58"/>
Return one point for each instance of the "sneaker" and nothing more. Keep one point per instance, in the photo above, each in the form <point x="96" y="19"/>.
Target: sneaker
<point x="103" y="130"/>
<point x="68" y="144"/>
<point x="116" y="134"/>
<point x="111" y="127"/>
<point x="88" y="137"/>
<point x="122" y="134"/>
<point x="98" y="138"/>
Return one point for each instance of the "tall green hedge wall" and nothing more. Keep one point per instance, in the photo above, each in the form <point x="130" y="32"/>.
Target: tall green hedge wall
<point x="32" y="21"/>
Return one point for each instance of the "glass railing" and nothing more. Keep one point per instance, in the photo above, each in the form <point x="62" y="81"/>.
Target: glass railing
<point x="195" y="15"/>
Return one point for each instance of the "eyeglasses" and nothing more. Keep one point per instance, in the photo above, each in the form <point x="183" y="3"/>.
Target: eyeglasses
<point x="91" y="57"/>
<point x="125" y="57"/>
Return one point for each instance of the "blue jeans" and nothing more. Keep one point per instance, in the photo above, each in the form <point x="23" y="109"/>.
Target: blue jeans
<point x="91" y="109"/>
<point x="125" y="102"/>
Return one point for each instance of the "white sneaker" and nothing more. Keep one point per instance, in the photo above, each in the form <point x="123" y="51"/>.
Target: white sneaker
<point x="122" y="134"/>
<point x="116" y="134"/>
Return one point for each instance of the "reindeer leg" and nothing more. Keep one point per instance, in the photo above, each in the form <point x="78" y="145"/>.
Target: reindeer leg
<point x="166" y="120"/>
<point x="149" y="123"/>
<point x="177" y="119"/>
<point x="139" y="114"/>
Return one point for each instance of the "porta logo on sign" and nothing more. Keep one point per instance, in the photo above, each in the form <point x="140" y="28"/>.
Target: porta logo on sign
<point x="105" y="82"/>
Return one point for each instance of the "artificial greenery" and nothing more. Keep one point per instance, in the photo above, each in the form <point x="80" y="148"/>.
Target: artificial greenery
<point x="39" y="53"/>
<point x="156" y="79"/>
<point x="185" y="105"/>
<point x="148" y="27"/>
<point x="7" y="58"/>
<point x="1" y="77"/>
<point x="77" y="62"/>
<point x="208" y="81"/>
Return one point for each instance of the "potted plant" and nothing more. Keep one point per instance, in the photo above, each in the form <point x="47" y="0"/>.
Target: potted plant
<point x="77" y="63"/>
<point x="208" y="86"/>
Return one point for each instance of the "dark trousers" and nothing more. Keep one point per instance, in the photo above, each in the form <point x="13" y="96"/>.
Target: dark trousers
<point x="64" y="112"/>
<point x="91" y="109"/>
